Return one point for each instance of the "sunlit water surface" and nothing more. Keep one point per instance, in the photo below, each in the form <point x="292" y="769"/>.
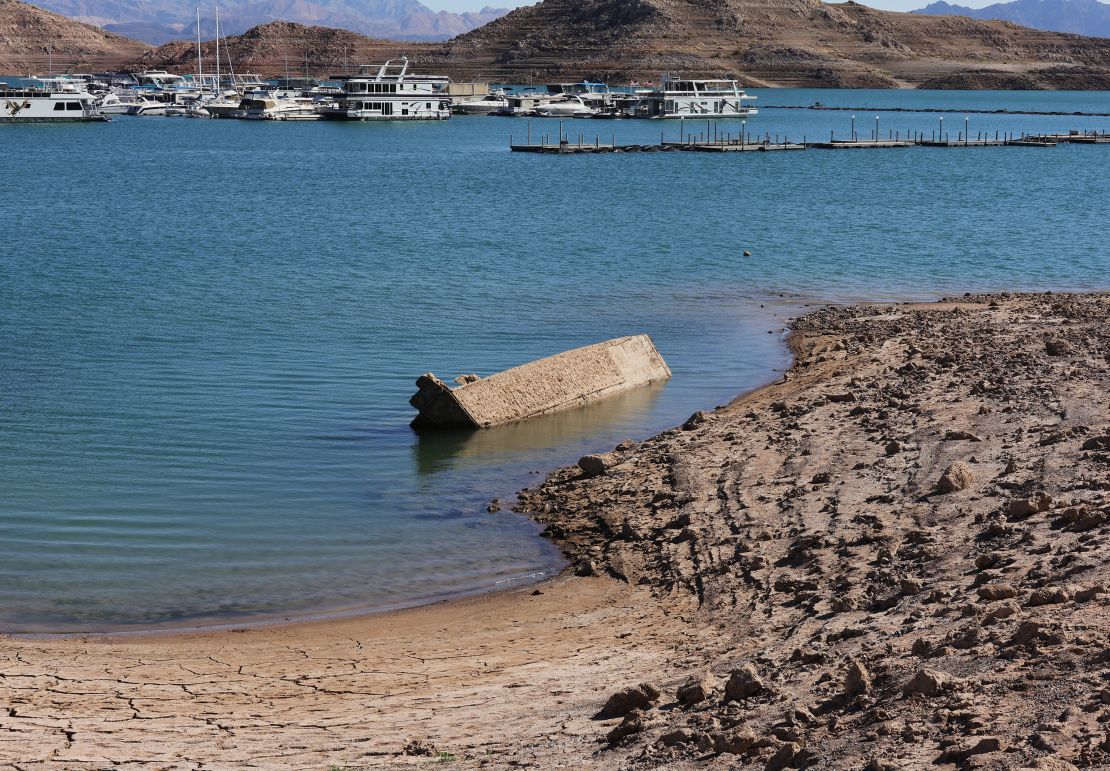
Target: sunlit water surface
<point x="209" y="330"/>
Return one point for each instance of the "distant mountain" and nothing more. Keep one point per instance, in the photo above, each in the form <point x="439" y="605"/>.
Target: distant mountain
<point x="277" y="47"/>
<point x="33" y="40"/>
<point x="803" y="43"/>
<point x="1082" y="17"/>
<point x="159" y="21"/>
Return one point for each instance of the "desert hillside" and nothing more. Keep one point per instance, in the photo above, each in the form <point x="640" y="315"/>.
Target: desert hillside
<point x="764" y="42"/>
<point x="767" y="42"/>
<point x="31" y="39"/>
<point x="279" y="46"/>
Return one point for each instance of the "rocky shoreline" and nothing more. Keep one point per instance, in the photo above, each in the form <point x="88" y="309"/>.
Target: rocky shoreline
<point x="905" y="545"/>
<point x="895" y="557"/>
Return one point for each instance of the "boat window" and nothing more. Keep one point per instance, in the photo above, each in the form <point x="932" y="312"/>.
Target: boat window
<point x="73" y="105"/>
<point x="59" y="106"/>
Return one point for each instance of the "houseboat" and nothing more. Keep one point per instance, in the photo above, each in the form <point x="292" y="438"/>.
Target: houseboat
<point x="392" y="93"/>
<point x="684" y="98"/>
<point x="54" y="103"/>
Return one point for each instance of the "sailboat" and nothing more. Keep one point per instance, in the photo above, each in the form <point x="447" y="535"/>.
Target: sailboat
<point x="226" y="104"/>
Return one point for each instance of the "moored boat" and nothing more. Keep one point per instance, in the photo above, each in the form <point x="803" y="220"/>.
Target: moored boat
<point x="265" y="105"/>
<point x="147" y="107"/>
<point x="568" y="107"/>
<point x="686" y="98"/>
<point x="66" y="104"/>
<point x="484" y="105"/>
<point x="392" y="93"/>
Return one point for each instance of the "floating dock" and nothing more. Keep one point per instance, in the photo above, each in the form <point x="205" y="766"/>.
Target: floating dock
<point x="712" y="141"/>
<point x="733" y="146"/>
<point x="563" y="381"/>
<point x="861" y="144"/>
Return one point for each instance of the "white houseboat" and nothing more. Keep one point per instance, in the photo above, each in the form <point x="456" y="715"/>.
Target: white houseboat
<point x="57" y="103"/>
<point x="685" y="98"/>
<point x="392" y="94"/>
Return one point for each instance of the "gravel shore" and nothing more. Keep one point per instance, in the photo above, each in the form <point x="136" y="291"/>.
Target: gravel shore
<point x="898" y="556"/>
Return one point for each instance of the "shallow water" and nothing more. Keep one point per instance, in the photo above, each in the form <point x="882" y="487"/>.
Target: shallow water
<point x="209" y="330"/>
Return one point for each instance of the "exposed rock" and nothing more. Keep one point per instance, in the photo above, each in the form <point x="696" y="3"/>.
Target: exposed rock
<point x="633" y="723"/>
<point x="952" y="436"/>
<point x="928" y="682"/>
<point x="789" y="755"/>
<point x="743" y="683"/>
<point x="1047" y="596"/>
<point x="594" y="465"/>
<point x="1097" y="443"/>
<point x="956" y="477"/>
<point x="857" y="680"/>
<point x="1058" y="347"/>
<point x="418" y="748"/>
<point x="981" y="747"/>
<point x="998" y="591"/>
<point x="627" y="699"/>
<point x="695" y="690"/>
<point x="734" y="742"/>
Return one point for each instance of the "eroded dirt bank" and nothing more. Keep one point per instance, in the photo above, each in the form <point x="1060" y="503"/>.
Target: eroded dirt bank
<point x="896" y="557"/>
<point x="907" y="542"/>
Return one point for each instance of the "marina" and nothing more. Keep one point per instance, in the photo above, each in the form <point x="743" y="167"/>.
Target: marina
<point x="246" y="435"/>
<point x="381" y="92"/>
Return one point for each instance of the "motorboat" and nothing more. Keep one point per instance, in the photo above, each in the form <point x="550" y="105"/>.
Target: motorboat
<point x="116" y="104"/>
<point x="226" y="105"/>
<point x="484" y="105"/>
<point x="573" y="106"/>
<point x="145" y="106"/>
<point x="264" y="105"/>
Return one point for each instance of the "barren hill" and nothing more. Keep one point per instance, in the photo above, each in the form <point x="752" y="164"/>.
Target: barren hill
<point x="767" y="42"/>
<point x="161" y="21"/>
<point x="272" y="49"/>
<point x="31" y="38"/>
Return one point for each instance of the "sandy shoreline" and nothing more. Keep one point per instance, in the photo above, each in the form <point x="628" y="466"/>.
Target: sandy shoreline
<point x="789" y="554"/>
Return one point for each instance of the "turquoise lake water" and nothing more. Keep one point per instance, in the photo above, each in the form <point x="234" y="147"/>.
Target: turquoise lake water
<point x="209" y="330"/>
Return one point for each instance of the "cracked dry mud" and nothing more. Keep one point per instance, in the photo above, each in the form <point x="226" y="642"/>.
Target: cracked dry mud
<point x="896" y="557"/>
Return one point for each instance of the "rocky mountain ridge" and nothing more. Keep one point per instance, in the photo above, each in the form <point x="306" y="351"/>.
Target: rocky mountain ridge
<point x="279" y="46"/>
<point x="161" y="21"/>
<point x="33" y="40"/>
<point x="765" y="42"/>
<point x="789" y="43"/>
<point x="1082" y="17"/>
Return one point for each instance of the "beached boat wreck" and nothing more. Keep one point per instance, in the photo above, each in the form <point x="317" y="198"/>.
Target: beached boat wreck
<point x="569" y="379"/>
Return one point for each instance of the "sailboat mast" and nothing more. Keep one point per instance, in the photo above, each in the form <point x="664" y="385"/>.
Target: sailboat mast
<point x="218" y="87"/>
<point x="200" y="61"/>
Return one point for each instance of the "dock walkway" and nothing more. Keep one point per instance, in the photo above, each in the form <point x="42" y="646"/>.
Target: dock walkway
<point x="729" y="144"/>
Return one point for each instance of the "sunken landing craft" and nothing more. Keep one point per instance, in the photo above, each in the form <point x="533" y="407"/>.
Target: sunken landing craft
<point x="570" y="379"/>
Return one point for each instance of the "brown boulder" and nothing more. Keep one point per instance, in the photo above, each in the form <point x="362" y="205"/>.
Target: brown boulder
<point x="627" y="699"/>
<point x="928" y="682"/>
<point x="742" y="683"/>
<point x="956" y="477"/>
<point x="695" y="690"/>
